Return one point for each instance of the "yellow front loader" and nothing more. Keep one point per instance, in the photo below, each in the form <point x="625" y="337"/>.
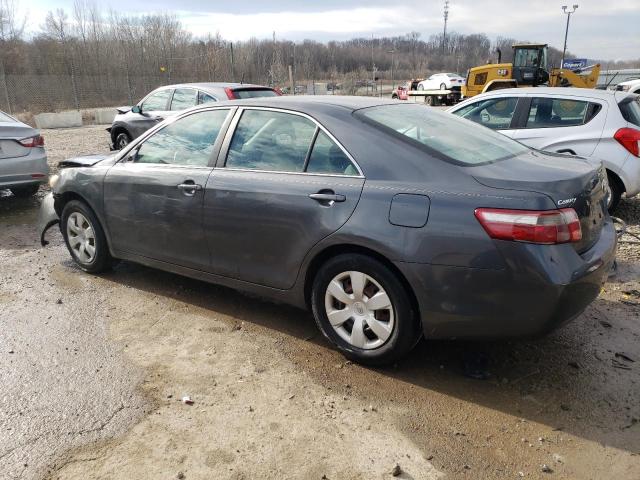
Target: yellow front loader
<point x="529" y="69"/>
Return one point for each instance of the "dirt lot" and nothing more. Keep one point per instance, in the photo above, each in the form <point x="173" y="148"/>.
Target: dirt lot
<point x="93" y="369"/>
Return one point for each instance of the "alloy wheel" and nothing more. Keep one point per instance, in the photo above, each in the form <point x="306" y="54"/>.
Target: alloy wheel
<point x="359" y="310"/>
<point x="81" y="237"/>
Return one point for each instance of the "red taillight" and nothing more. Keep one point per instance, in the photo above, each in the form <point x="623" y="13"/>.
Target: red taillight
<point x="629" y="138"/>
<point x="231" y="95"/>
<point x="37" y="141"/>
<point x="534" y="226"/>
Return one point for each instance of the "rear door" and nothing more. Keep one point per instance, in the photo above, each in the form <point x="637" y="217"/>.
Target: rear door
<point x="563" y="124"/>
<point x="154" y="108"/>
<point x="153" y="198"/>
<point x="282" y="184"/>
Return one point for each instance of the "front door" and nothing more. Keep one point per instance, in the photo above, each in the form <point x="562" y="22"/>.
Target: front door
<point x="285" y="186"/>
<point x="153" y="110"/>
<point x="153" y="198"/>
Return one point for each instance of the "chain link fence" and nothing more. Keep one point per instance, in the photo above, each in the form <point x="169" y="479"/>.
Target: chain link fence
<point x="28" y="95"/>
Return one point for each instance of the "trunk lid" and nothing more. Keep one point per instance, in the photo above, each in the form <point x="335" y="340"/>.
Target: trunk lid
<point x="570" y="182"/>
<point x="10" y="133"/>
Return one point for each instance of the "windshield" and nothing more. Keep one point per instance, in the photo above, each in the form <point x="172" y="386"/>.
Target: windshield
<point x="630" y="109"/>
<point x="454" y="139"/>
<point x="254" y="92"/>
<point x="528" y="57"/>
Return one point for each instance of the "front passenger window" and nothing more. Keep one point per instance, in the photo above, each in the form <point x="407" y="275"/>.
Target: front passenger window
<point x="187" y="141"/>
<point x="495" y="113"/>
<point x="157" y="101"/>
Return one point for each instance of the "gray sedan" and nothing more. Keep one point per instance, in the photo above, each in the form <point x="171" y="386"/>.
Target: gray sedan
<point x="23" y="160"/>
<point x="389" y="221"/>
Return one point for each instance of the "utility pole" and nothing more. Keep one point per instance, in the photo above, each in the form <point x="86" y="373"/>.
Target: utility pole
<point x="566" y="31"/>
<point x="392" y="79"/>
<point x="233" y="72"/>
<point x="446" y="19"/>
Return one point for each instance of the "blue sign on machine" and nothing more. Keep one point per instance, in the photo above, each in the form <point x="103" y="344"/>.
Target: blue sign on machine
<point x="574" y="63"/>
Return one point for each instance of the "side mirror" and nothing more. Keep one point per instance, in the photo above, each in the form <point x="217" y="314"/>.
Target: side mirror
<point x="136" y="109"/>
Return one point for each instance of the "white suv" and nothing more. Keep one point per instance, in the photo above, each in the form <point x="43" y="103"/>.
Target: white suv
<point x="597" y="124"/>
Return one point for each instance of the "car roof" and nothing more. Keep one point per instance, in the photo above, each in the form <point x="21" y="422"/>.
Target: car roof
<point x="564" y="91"/>
<point x="209" y="85"/>
<point x="310" y="103"/>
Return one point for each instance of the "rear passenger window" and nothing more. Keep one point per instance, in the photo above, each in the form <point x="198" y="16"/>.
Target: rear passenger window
<point x="183" y="98"/>
<point x="553" y="112"/>
<point x="327" y="157"/>
<point x="205" y="98"/>
<point x="266" y="140"/>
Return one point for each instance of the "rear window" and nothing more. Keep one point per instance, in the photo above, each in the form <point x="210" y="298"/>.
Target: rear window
<point x="443" y="134"/>
<point x="6" y="118"/>
<point x="630" y="109"/>
<point x="254" y="92"/>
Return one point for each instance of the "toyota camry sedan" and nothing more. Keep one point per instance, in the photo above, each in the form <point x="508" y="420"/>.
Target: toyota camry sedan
<point x="388" y="221"/>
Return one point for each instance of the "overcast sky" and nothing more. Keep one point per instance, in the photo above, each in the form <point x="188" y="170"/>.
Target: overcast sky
<point x="599" y="29"/>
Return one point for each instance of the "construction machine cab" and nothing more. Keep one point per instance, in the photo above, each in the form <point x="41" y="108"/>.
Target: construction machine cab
<point x="530" y="64"/>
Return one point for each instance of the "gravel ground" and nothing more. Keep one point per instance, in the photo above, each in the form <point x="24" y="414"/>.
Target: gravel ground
<point x="93" y="369"/>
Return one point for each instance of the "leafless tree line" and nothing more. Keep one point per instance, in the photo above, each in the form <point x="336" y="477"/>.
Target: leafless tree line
<point x="88" y="57"/>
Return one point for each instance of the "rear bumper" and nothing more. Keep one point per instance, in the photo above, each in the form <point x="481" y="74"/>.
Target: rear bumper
<point x="47" y="217"/>
<point x="542" y="288"/>
<point x="32" y="169"/>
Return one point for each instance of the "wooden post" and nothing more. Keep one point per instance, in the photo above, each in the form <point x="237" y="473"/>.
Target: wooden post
<point x="293" y="87"/>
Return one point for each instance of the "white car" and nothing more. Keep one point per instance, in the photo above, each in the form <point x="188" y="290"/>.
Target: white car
<point x="630" y="86"/>
<point x="441" y="81"/>
<point x="601" y="125"/>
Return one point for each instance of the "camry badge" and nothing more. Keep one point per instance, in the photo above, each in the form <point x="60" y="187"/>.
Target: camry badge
<point x="566" y="201"/>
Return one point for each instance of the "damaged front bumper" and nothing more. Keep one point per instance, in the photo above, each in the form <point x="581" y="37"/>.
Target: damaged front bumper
<point x="47" y="217"/>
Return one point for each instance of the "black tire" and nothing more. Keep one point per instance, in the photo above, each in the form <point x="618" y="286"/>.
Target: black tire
<point x="394" y="97"/>
<point x="428" y="100"/>
<point x="122" y="140"/>
<point x="617" y="189"/>
<point x="443" y="86"/>
<point x="406" y="329"/>
<point x="102" y="260"/>
<point x="24" y="192"/>
<point x="420" y="87"/>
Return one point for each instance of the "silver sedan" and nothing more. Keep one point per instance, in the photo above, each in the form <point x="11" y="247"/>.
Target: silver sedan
<point x="23" y="160"/>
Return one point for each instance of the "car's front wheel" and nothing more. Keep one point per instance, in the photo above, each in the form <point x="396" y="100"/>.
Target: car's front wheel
<point x="85" y="238"/>
<point x="362" y="307"/>
<point x="122" y="140"/>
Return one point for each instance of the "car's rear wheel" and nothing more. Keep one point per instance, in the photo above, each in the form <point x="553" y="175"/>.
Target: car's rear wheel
<point x="617" y="189"/>
<point x="443" y="86"/>
<point x="420" y="86"/>
<point x="24" y="192"/>
<point x="122" y="140"/>
<point x="362" y="307"/>
<point x="85" y="237"/>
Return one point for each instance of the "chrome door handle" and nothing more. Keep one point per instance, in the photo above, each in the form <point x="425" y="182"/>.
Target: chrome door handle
<point x="189" y="189"/>
<point x="327" y="197"/>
